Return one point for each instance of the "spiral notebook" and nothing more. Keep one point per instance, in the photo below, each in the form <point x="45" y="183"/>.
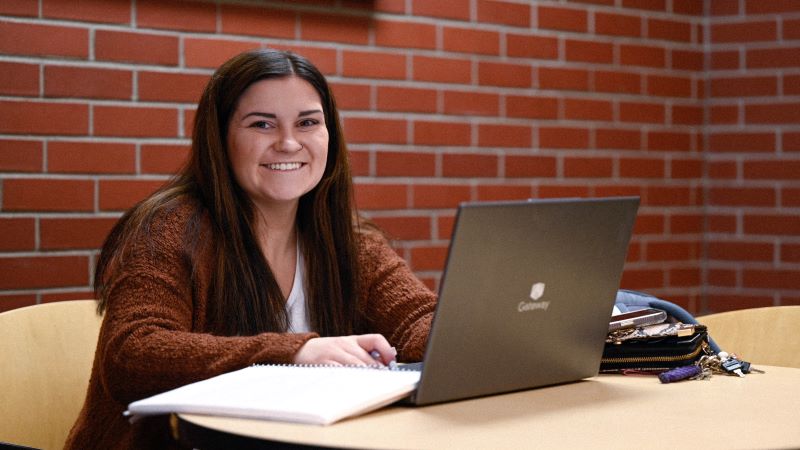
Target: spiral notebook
<point x="317" y="395"/>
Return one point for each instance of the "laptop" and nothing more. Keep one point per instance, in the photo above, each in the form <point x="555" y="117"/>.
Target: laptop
<point x="526" y="296"/>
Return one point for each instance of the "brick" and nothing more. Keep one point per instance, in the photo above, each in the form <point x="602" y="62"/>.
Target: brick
<point x="17" y="234"/>
<point x="618" y="190"/>
<point x="672" y="251"/>
<point x="729" y="302"/>
<point x="135" y="121"/>
<point x="404" y="99"/>
<point x="641" y="168"/>
<point x="504" y="74"/>
<point x="90" y="157"/>
<point x="744" y="86"/>
<point x="29" y="8"/>
<point x="162" y="159"/>
<point x="212" y="53"/>
<point x="389" y="6"/>
<point x="171" y="87"/>
<point x="686" y="169"/>
<point x="722" y="277"/>
<point x="441" y="70"/>
<point x="771" y="279"/>
<point x="9" y="302"/>
<point x="772" y="170"/>
<point x="772" y="224"/>
<point x="669" y="196"/>
<point x="791" y="29"/>
<point x="71" y="294"/>
<point x="648" y="224"/>
<point x="724" y="59"/>
<point x="562" y="137"/>
<point x="642" y="279"/>
<point x="617" y="82"/>
<point x="651" y="5"/>
<point x="724" y="8"/>
<point x="564" y="19"/>
<point x="588" y="167"/>
<point x="770" y="6"/>
<point x="253" y="21"/>
<point x="135" y="47"/>
<point x="74" y="233"/>
<point x="614" y="24"/>
<point x="188" y="122"/>
<point x="791" y="141"/>
<point x="43" y="40"/>
<point x="405" y="164"/>
<point x="745" y="196"/>
<point x="620" y="139"/>
<point x="467" y="40"/>
<point x="641" y="112"/>
<point x="81" y="82"/>
<point x="532" y="107"/>
<point x="43" y="272"/>
<point x="744" y="32"/>
<point x="589" y="51"/>
<point x="469" y="165"/>
<point x="176" y="15"/>
<point x="719" y="223"/>
<point x="491" y="135"/>
<point x="121" y="194"/>
<point x="442" y="133"/>
<point x="470" y="103"/>
<point x="529" y="166"/>
<point x="773" y="113"/>
<point x="114" y="11"/>
<point x="724" y="114"/>
<point x="366" y="130"/>
<point x="691" y="277"/>
<point x="37" y="118"/>
<point x="42" y="194"/>
<point x="723" y="170"/>
<point x="740" y="251"/>
<point x="373" y="65"/>
<point x="688" y="60"/>
<point x="453" y="9"/>
<point x="503" y="192"/>
<point x="334" y="28"/>
<point x="19" y="79"/>
<point x="783" y="57"/>
<point x="428" y="258"/>
<point x="414" y="228"/>
<point x="790" y="253"/>
<point x="556" y="191"/>
<point x="687" y="115"/>
<point x="440" y="196"/>
<point x="669" y="141"/>
<point x="20" y="156"/>
<point x="360" y="163"/>
<point x="669" y="86"/>
<point x="530" y="46"/>
<point x="324" y="58"/>
<point x="381" y="196"/>
<point x="563" y="79"/>
<point x="686" y="223"/>
<point x="504" y="13"/>
<point x="791" y="84"/>
<point x="669" y="30"/>
<point x="586" y="109"/>
<point x="445" y="224"/>
<point x="643" y="56"/>
<point x="353" y="96"/>
<point x="392" y="33"/>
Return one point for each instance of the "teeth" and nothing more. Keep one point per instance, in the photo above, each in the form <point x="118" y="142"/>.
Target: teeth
<point x="284" y="166"/>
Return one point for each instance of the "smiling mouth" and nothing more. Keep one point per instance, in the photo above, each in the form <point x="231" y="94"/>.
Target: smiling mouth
<point x="283" y="167"/>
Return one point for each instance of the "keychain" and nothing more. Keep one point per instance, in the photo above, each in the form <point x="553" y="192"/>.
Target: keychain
<point x="707" y="365"/>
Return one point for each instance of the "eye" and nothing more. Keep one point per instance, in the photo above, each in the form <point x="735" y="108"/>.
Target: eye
<point x="305" y="123"/>
<point x="263" y="124"/>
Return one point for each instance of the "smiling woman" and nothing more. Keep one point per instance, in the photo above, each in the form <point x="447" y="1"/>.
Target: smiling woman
<point x="252" y="254"/>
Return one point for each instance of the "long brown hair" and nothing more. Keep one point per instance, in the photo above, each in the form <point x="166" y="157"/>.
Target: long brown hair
<point x="243" y="295"/>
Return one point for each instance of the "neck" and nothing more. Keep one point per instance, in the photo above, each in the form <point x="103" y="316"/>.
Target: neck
<point x="277" y="232"/>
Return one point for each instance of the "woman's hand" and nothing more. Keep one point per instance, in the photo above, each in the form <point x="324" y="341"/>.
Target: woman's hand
<point x="346" y="350"/>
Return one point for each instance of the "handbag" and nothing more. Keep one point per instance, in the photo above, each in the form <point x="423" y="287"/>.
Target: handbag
<point x="654" y="348"/>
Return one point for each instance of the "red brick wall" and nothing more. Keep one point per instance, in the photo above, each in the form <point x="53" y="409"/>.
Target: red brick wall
<point x="691" y="105"/>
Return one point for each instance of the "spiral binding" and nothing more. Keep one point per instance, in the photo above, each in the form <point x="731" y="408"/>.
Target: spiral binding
<point x="399" y="368"/>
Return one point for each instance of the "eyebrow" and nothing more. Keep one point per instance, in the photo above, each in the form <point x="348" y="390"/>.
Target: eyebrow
<point x="273" y="116"/>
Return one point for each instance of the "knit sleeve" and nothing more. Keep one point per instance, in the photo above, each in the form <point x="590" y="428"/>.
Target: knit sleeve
<point x="153" y="337"/>
<point x="394" y="302"/>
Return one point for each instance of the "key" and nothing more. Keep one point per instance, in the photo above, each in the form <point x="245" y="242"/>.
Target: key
<point x="734" y="366"/>
<point x="747" y="368"/>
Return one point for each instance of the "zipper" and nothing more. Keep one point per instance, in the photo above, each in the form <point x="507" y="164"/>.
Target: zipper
<point x="644" y="359"/>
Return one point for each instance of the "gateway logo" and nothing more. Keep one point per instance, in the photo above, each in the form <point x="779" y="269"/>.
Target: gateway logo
<point x="537" y="292"/>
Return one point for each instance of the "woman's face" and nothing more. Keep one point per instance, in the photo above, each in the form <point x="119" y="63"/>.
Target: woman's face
<point x="277" y="141"/>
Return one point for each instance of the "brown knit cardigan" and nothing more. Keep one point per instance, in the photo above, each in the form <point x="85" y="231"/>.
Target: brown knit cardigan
<point x="155" y="336"/>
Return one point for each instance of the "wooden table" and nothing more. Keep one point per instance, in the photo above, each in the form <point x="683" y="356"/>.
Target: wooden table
<point x="608" y="411"/>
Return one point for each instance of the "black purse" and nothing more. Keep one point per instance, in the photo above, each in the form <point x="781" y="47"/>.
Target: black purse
<point x="654" y="348"/>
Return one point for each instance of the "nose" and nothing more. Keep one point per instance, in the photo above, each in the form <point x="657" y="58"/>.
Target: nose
<point x="288" y="143"/>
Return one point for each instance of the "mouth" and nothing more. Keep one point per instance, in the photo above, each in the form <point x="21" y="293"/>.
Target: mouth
<point x="283" y="167"/>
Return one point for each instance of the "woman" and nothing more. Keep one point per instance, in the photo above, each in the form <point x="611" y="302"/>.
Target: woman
<point x="252" y="254"/>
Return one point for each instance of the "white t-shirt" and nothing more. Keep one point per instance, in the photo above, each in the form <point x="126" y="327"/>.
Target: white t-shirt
<point x="296" y="304"/>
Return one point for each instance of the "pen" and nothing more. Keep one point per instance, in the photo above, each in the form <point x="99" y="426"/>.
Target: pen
<point x="377" y="357"/>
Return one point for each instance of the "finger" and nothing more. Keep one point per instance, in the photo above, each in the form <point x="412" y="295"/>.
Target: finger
<point x="377" y="343"/>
